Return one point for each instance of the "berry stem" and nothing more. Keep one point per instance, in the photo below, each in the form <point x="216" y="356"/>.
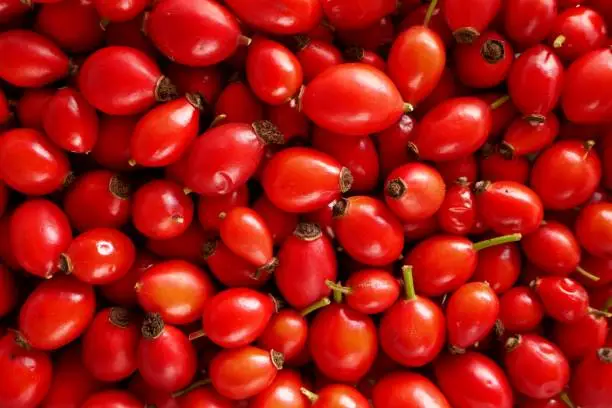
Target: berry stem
<point x="191" y="387"/>
<point x="316" y="306"/>
<point x="312" y="397"/>
<point x="408" y="282"/>
<point x="196" y="335"/>
<point x="430" y="11"/>
<point x="338" y="294"/>
<point x="338" y="287"/>
<point x="499" y="102"/>
<point x="504" y="239"/>
<point x="586" y="274"/>
<point x="566" y="400"/>
<point x="559" y="41"/>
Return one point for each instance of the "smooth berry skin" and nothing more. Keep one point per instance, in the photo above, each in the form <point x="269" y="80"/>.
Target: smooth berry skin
<point x="368" y="231"/>
<point x="372" y="291"/>
<point x="457" y="213"/>
<point x="594" y="229"/>
<point x="585" y="100"/>
<point x="273" y="72"/>
<point x="230" y="269"/>
<point x="437" y="23"/>
<point x="119" y="11"/>
<point x="201" y="397"/>
<point x="339" y="396"/>
<point x="8" y="291"/>
<point x="554" y="402"/>
<point x="564" y="299"/>
<point x="97" y="199"/>
<point x="552" y="248"/>
<point x="367" y="102"/>
<point x="161" y="210"/>
<point x="130" y="34"/>
<point x="401" y="389"/>
<point x="486" y="62"/>
<point x="151" y="395"/>
<point x="72" y="383"/>
<point x="281" y="224"/>
<point x="238" y="103"/>
<point x="12" y="11"/>
<point x="528" y="22"/>
<point x="28" y="374"/>
<point x="582" y="30"/>
<point x="358" y="154"/>
<point x="57" y="312"/>
<point x="121" y="291"/>
<point x="576" y="340"/>
<point x="36" y="249"/>
<point x="120" y="80"/>
<point x="211" y="209"/>
<point x="332" y="352"/>
<point x="508" y="207"/>
<point x="31" y="164"/>
<point x="207" y="82"/>
<point x="71" y="122"/>
<point x="247" y="235"/>
<point x="31" y="60"/>
<point x="535" y="366"/>
<point x="496" y="167"/>
<point x="523" y="137"/>
<point x="177" y="290"/>
<point x="287" y="333"/>
<point x="535" y="82"/>
<point x="345" y="14"/>
<point x="85" y="34"/>
<point x="236" y="317"/>
<point x="283" y="392"/>
<point x="453" y="170"/>
<point x="109" y="345"/>
<point x="165" y="133"/>
<point x="453" y="129"/>
<point x="414" y="191"/>
<point x="307" y="260"/>
<point x="279" y="17"/>
<point x="224" y="158"/>
<point x="471" y="313"/>
<point x="392" y="142"/>
<point x="589" y="386"/>
<point x="243" y="372"/>
<point x="416" y="62"/>
<point x="112" y="398"/>
<point x="300" y="180"/>
<point x="112" y="150"/>
<point x="99" y="256"/>
<point x="473" y="380"/>
<point x="520" y="310"/>
<point x="581" y="174"/>
<point x="187" y="246"/>
<point x="468" y="20"/>
<point x="442" y="263"/>
<point x="193" y="33"/>
<point x="413" y="331"/>
<point x="315" y="56"/>
<point x="167" y="361"/>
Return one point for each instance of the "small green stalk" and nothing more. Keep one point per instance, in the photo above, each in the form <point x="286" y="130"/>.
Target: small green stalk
<point x="504" y="239"/>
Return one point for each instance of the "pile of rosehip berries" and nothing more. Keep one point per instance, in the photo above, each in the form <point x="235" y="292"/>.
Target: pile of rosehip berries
<point x="305" y="203"/>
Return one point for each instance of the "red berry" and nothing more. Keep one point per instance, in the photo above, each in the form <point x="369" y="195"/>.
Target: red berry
<point x="520" y="310"/>
<point x="590" y="379"/>
<point x="57" y="312"/>
<point x="535" y="366"/>
<point x="486" y="62"/>
<point x="594" y="229"/>
<point x="401" y="389"/>
<point x="109" y="345"/>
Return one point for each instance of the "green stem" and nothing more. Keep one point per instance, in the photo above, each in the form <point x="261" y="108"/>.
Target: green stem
<point x="587" y="274"/>
<point x="316" y="306"/>
<point x="408" y="282"/>
<point x="338" y="287"/>
<point x="504" y="239"/>
<point x="499" y="102"/>
<point x="608" y="305"/>
<point x="196" y="335"/>
<point x="600" y="313"/>
<point x="430" y="11"/>
<point x="338" y="295"/>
